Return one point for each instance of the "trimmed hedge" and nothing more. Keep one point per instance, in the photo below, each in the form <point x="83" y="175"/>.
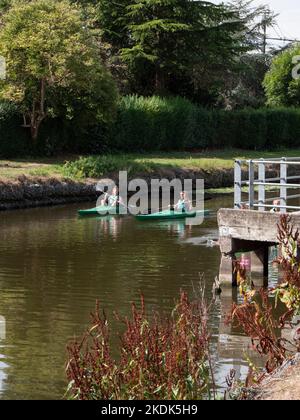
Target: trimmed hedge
<point x="14" y="139"/>
<point x="156" y="124"/>
<point x="150" y="124"/>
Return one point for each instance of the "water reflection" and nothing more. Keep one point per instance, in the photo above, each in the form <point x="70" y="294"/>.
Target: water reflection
<point x="109" y="226"/>
<point x="53" y="267"/>
<point x="2" y="328"/>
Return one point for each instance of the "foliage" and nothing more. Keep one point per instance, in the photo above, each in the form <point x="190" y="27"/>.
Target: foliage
<point x="165" y="124"/>
<point x="13" y="139"/>
<point x="241" y="83"/>
<point x="161" y="359"/>
<point x="256" y="19"/>
<point x="243" y="87"/>
<point x="164" y="41"/>
<point x="258" y="322"/>
<point x="153" y="124"/>
<point x="149" y="124"/>
<point x="256" y="315"/>
<point x="282" y="89"/>
<point x="57" y="73"/>
<point x="98" y="166"/>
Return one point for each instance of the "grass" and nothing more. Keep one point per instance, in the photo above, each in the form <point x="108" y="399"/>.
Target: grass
<point x="13" y="169"/>
<point x="207" y="160"/>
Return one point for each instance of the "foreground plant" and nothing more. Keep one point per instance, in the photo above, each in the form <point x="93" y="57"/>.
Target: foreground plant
<point x="256" y="315"/>
<point x="160" y="358"/>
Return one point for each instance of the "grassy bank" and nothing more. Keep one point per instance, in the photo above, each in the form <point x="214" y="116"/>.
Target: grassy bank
<point x="94" y="167"/>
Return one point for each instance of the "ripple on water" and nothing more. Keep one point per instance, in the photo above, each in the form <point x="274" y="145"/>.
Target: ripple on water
<point x="53" y="267"/>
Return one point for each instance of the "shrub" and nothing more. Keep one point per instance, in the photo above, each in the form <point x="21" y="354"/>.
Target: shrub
<point x="148" y="124"/>
<point x="169" y="124"/>
<point x="97" y="166"/>
<point x="161" y="359"/>
<point x="155" y="124"/>
<point x="256" y="316"/>
<point x="13" y="138"/>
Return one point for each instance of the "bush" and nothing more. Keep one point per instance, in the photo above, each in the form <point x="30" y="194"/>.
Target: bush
<point x="153" y="124"/>
<point x="169" y="124"/>
<point x="56" y="136"/>
<point x="98" y="166"/>
<point x="147" y="124"/>
<point x="159" y="359"/>
<point x="14" y="139"/>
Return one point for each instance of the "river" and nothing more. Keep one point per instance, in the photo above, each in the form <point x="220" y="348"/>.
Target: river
<point x="54" y="265"/>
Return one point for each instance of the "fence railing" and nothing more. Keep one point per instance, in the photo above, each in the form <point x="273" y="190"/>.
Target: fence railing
<point x="259" y="189"/>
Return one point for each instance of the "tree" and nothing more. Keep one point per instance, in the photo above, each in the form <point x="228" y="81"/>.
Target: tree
<point x="242" y="83"/>
<point x="244" y="87"/>
<point x="53" y="65"/>
<point x="257" y="20"/>
<point x="282" y="82"/>
<point x="163" y="40"/>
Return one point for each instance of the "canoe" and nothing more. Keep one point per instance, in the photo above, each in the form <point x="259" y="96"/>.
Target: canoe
<point x="171" y="215"/>
<point x="99" y="211"/>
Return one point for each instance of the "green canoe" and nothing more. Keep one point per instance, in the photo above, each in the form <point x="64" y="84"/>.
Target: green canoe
<point x="171" y="215"/>
<point x="99" y="211"/>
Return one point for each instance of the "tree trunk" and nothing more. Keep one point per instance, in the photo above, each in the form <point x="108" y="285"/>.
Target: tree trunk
<point x="38" y="113"/>
<point x="34" y="129"/>
<point x="159" y="81"/>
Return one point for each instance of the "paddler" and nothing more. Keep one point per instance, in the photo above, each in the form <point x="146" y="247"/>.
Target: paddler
<point x="113" y="199"/>
<point x="183" y="205"/>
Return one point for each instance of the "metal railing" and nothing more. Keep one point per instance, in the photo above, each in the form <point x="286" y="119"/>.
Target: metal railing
<point x="259" y="188"/>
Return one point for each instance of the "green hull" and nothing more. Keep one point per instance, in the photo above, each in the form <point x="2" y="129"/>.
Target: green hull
<point x="99" y="211"/>
<point x="171" y="215"/>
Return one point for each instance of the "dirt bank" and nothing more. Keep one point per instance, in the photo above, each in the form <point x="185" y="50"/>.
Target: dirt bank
<point x="38" y="192"/>
<point x="284" y="384"/>
<point x="42" y="191"/>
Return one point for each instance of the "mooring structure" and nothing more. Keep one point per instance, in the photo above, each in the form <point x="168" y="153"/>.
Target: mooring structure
<point x="259" y="200"/>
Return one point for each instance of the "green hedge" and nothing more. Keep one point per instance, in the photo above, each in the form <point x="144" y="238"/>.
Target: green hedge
<point x="155" y="124"/>
<point x="150" y="124"/>
<point x="14" y="139"/>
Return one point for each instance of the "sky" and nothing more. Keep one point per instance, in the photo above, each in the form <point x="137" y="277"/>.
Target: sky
<point x="288" y="19"/>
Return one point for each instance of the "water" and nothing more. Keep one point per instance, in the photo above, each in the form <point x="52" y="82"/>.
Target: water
<point x="53" y="267"/>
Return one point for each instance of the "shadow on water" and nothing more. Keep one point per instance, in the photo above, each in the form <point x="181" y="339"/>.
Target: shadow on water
<point x="53" y="267"/>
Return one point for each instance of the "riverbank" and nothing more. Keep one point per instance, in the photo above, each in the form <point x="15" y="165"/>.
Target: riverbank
<point x="43" y="182"/>
<point x="284" y="384"/>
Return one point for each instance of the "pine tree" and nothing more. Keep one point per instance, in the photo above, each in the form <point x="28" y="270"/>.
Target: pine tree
<point x="166" y="38"/>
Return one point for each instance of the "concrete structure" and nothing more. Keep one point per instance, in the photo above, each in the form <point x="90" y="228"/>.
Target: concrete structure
<point x="246" y="231"/>
<point x="250" y="226"/>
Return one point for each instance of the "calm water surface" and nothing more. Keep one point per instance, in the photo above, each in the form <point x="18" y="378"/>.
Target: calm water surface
<point x="53" y="267"/>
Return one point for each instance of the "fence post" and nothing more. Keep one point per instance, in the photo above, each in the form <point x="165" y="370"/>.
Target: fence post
<point x="261" y="188"/>
<point x="251" y="184"/>
<point x="283" y="180"/>
<point x="237" y="184"/>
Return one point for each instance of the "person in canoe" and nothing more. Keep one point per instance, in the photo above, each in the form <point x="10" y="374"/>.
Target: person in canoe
<point x="113" y="199"/>
<point x="183" y="205"/>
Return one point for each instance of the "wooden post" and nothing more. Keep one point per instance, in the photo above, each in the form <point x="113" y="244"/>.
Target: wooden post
<point x="237" y="184"/>
<point x="283" y="180"/>
<point x="261" y="188"/>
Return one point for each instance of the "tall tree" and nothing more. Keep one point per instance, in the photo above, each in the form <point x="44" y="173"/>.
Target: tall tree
<point x="163" y="40"/>
<point x="53" y="64"/>
<point x="243" y="83"/>
<point x="257" y="19"/>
